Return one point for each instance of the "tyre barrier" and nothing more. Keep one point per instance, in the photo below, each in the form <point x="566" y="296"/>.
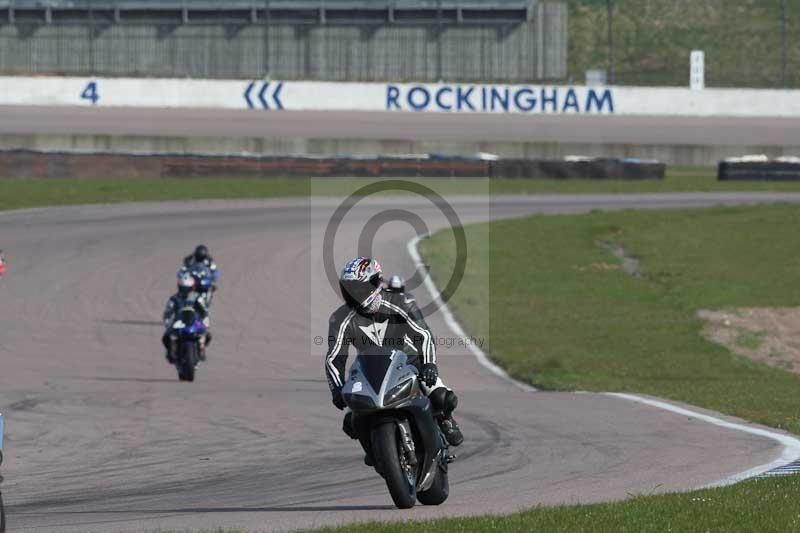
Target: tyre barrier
<point x="33" y="164"/>
<point x="595" y="168"/>
<point x="758" y="171"/>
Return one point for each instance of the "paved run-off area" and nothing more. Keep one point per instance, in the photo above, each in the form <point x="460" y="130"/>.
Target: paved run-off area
<point x="102" y="437"/>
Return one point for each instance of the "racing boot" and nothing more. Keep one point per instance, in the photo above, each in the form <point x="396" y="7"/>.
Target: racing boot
<point x="451" y="431"/>
<point x="202" y="345"/>
<point x="445" y="401"/>
<point x="172" y="347"/>
<point x="201" y="350"/>
<point x="347" y="427"/>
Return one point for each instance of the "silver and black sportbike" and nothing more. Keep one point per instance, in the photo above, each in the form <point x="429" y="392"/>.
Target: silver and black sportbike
<point x="392" y="418"/>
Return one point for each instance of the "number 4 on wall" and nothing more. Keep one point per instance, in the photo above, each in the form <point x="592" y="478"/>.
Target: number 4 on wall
<point x="90" y="92"/>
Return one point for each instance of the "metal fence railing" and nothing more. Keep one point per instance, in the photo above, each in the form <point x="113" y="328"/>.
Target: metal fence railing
<point x="747" y="43"/>
<point x="519" y="51"/>
<point x="301" y="4"/>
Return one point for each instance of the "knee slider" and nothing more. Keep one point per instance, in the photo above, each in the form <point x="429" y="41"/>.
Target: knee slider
<point x="437" y="398"/>
<point x="443" y="400"/>
<point x="450" y="403"/>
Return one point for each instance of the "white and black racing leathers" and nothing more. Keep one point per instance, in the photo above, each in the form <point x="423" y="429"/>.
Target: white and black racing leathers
<point x="398" y="325"/>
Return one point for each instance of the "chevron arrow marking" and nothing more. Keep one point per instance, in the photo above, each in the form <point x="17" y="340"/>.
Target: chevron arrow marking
<point x="261" y="95"/>
<point x="247" y="94"/>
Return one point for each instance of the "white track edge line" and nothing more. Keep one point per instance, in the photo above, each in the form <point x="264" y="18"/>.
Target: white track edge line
<point x="791" y="445"/>
<point x="451" y="321"/>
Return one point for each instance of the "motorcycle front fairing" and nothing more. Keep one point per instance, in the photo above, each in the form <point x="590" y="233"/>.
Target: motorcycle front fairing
<point x="382" y="386"/>
<point x="188" y="324"/>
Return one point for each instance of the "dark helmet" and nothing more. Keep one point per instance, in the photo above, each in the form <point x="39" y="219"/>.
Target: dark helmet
<point x="397" y="284"/>
<point x="201" y="253"/>
<point x="361" y="283"/>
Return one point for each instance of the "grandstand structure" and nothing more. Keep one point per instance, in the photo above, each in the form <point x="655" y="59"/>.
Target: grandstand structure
<point x="513" y="41"/>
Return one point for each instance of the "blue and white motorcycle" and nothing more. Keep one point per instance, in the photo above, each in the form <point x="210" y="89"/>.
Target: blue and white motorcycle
<point x="186" y="333"/>
<point x="205" y="277"/>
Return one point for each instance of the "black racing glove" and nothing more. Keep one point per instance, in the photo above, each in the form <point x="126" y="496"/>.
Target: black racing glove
<point x="337" y="399"/>
<point x="430" y="374"/>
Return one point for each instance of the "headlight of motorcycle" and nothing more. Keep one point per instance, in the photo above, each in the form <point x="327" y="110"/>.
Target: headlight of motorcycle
<point x="398" y="392"/>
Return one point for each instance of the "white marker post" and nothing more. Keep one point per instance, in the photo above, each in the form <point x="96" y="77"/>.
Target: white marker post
<point x="697" y="70"/>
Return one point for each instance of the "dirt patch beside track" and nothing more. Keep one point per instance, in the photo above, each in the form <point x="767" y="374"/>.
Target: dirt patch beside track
<point x="766" y="335"/>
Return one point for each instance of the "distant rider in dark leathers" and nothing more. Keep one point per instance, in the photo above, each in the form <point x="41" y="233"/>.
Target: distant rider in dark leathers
<point x="372" y="316"/>
<point x="200" y="256"/>
<point x="396" y="284"/>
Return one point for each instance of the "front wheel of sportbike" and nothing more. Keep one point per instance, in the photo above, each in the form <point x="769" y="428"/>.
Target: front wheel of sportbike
<point x="399" y="475"/>
<point x="438" y="491"/>
<point x="189" y="360"/>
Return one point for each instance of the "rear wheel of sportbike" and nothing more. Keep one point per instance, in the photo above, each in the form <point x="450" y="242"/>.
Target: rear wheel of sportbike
<point x="399" y="475"/>
<point x="438" y="491"/>
<point x="188" y="360"/>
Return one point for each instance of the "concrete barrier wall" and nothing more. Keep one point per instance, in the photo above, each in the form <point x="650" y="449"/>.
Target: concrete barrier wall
<point x="276" y="95"/>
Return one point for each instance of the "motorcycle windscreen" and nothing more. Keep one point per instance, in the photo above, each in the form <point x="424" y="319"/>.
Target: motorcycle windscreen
<point x="187" y="316"/>
<point x="374" y="367"/>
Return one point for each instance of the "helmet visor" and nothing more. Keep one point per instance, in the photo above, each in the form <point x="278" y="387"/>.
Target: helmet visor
<point x="361" y="293"/>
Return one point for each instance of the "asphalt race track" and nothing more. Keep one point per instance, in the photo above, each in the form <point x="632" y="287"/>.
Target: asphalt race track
<point x="755" y="131"/>
<point x="102" y="437"/>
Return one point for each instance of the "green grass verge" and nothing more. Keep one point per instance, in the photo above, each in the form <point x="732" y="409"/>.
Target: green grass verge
<point x="763" y="505"/>
<point x="22" y="193"/>
<point x="563" y="315"/>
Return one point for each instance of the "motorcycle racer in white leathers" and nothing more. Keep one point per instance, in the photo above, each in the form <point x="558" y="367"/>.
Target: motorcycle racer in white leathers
<point x="372" y="316"/>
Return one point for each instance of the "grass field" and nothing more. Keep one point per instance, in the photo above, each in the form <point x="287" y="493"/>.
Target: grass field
<point x="21" y="193"/>
<point x="762" y="505"/>
<point x="564" y="315"/>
